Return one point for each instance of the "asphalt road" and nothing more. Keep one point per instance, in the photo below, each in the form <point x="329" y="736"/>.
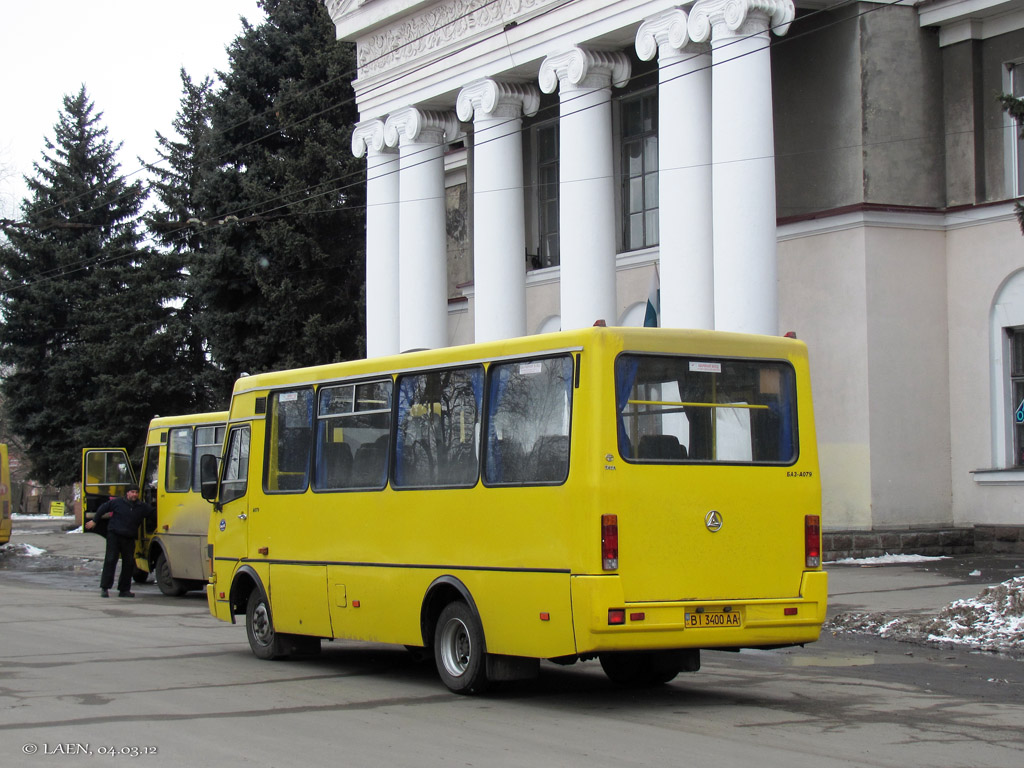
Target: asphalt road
<point x="159" y="681"/>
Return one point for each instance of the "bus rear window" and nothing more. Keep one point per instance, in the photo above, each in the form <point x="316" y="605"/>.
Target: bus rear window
<point x="674" y="410"/>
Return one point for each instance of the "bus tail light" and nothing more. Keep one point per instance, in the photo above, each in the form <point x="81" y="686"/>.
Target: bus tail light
<point x="609" y="542"/>
<point x="812" y="540"/>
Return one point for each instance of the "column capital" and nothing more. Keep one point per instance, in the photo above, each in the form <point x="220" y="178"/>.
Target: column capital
<point x="743" y="17"/>
<point x="368" y="137"/>
<point x="584" y="68"/>
<point x="428" y="126"/>
<point x="497" y="98"/>
<point x="666" y="35"/>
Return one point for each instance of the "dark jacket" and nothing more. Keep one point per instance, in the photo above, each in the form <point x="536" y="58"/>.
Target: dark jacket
<point x="126" y="515"/>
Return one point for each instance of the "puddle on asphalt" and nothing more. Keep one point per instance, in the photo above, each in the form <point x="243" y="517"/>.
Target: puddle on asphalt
<point x="17" y="560"/>
<point x="830" y="661"/>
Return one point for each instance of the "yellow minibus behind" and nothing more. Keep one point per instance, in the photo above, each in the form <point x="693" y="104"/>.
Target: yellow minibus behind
<point x="175" y="550"/>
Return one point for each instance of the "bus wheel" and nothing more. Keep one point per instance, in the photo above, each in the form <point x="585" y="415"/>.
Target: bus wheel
<point x="259" y="626"/>
<point x="459" y="649"/>
<point x="641" y="669"/>
<point x="169" y="585"/>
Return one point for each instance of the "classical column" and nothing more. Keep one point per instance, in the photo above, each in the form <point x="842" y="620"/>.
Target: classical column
<point x="381" y="237"/>
<point x="421" y="136"/>
<point x="743" y="156"/>
<point x="499" y="235"/>
<point x="586" y="191"/>
<point x="684" y="170"/>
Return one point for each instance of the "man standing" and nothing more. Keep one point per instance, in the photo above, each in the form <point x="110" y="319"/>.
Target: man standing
<point x="125" y="515"/>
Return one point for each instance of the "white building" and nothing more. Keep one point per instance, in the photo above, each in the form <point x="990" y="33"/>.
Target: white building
<point x="845" y="173"/>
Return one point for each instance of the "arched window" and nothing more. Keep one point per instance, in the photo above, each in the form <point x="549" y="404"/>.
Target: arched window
<point x="1007" y="351"/>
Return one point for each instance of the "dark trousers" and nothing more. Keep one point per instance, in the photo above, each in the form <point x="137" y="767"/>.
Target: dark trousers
<point x="119" y="548"/>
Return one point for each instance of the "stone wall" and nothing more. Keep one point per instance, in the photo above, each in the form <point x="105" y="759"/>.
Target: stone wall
<point x="980" y="539"/>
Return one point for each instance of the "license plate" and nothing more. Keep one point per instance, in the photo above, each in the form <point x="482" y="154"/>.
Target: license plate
<point x="710" y="619"/>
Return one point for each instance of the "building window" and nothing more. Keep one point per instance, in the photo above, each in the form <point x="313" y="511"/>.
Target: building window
<point x="1016" y="88"/>
<point x="1016" y="414"/>
<point x="546" y="142"/>
<point x="639" y="130"/>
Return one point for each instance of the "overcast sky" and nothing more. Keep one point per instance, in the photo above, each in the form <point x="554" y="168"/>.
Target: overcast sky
<point x="126" y="52"/>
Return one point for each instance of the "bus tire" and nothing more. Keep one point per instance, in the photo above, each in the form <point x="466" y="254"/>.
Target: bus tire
<point x="643" y="668"/>
<point x="459" y="651"/>
<point x="259" y="628"/>
<point x="169" y="585"/>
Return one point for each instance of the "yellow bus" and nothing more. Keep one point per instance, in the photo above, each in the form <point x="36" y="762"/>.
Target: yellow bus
<point x="175" y="550"/>
<point x="5" y="496"/>
<point x="626" y="494"/>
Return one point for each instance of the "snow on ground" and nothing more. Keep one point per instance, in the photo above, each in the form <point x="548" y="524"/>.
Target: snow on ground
<point x="885" y="560"/>
<point x="992" y="621"/>
<point x="24" y="549"/>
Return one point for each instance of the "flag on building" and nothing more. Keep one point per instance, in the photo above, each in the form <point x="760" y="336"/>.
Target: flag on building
<point x="653" y="317"/>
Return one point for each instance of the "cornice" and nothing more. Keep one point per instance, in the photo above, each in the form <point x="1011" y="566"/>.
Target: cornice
<point x="434" y="28"/>
<point x="497" y="98"/>
<point x="714" y="18"/>
<point x="584" y="68"/>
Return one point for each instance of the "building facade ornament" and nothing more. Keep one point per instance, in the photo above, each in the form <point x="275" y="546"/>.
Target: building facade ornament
<point x="368" y="137"/>
<point x="712" y="19"/>
<point x="580" y="67"/>
<point x="498" y="99"/>
<point x="433" y="29"/>
<point x="665" y="34"/>
<point x="415" y="125"/>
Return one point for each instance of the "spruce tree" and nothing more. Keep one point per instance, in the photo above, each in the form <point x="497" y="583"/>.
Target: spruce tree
<point x="178" y="226"/>
<point x="84" y="338"/>
<point x="282" y="280"/>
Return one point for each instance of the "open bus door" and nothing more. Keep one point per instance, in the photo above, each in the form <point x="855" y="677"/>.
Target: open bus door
<point x="106" y="473"/>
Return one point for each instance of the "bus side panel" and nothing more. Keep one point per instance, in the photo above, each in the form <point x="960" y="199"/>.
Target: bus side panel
<point x="5" y="496"/>
<point x="376" y="604"/>
<point x="523" y="614"/>
<point x="298" y="599"/>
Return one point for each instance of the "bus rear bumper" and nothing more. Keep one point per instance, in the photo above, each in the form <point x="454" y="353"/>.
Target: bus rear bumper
<point x="605" y="622"/>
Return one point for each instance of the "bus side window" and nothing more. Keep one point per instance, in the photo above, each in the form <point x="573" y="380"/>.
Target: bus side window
<point x="179" y="459"/>
<point x="209" y="441"/>
<point x="289" y="441"/>
<point x="437" y="444"/>
<point x="353" y="436"/>
<point x="528" y="422"/>
<point x="236" y="465"/>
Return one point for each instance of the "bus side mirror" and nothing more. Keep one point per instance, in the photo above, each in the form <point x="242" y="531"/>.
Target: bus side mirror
<point x="208" y="471"/>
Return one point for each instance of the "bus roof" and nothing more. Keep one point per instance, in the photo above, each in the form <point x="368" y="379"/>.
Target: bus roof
<point x="618" y="338"/>
<point x="213" y="417"/>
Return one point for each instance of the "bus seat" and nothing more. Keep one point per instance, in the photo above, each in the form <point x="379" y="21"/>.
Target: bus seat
<point x="664" y="447"/>
<point x="506" y="463"/>
<point x="549" y="459"/>
<point x="337" y="465"/>
<point x="369" y="465"/>
<point x="463" y="465"/>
